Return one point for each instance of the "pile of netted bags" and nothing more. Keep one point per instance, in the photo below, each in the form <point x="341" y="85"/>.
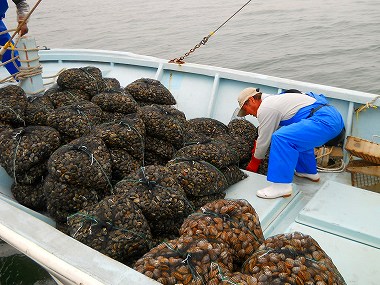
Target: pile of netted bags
<point x="87" y="139"/>
<point x="222" y="243"/>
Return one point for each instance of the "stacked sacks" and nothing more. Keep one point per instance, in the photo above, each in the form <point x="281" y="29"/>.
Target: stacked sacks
<point x="157" y="193"/>
<point x="125" y="140"/>
<point x="115" y="227"/>
<point x="79" y="171"/>
<point x="186" y="260"/>
<point x="233" y="222"/>
<point x="165" y="125"/>
<point x="246" y="133"/>
<point x="292" y="258"/>
<point x="148" y="91"/>
<point x="111" y="84"/>
<point x="115" y="103"/>
<point x="214" y="242"/>
<point x="88" y="79"/>
<point x="12" y="105"/>
<point x="210" y="140"/>
<point x="60" y="97"/>
<point x="75" y="120"/>
<point x="199" y="179"/>
<point x="24" y="155"/>
<point x="37" y="110"/>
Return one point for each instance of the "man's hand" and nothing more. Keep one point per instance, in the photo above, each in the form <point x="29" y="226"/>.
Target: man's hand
<point x="254" y="164"/>
<point x="24" y="28"/>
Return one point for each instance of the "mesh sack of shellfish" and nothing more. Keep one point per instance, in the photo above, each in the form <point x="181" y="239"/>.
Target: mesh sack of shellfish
<point x="186" y="260"/>
<point x="122" y="164"/>
<point x="198" y="177"/>
<point x="152" y="158"/>
<point x="239" y="145"/>
<point x="124" y="134"/>
<point x="66" y="97"/>
<point x="115" y="227"/>
<point x="166" y="228"/>
<point x="12" y="105"/>
<point x="223" y="276"/>
<point x="150" y="90"/>
<point x="25" y="147"/>
<point x="160" y="147"/>
<point x="263" y="168"/>
<point x="233" y="222"/>
<point x="156" y="192"/>
<point x="32" y="175"/>
<point x="233" y="174"/>
<point x="30" y="195"/>
<point x="292" y="258"/>
<point x="111" y="84"/>
<point x="216" y="152"/>
<point x="37" y="110"/>
<point x="243" y="128"/>
<point x="200" y="201"/>
<point x="117" y="101"/>
<point x="88" y="79"/>
<point x="202" y="128"/>
<point x="5" y="126"/>
<point x="75" y="120"/>
<point x="163" y="123"/>
<point x="85" y="161"/>
<point x="63" y="199"/>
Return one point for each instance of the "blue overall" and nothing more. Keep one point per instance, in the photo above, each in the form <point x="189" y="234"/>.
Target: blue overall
<point x="4" y="39"/>
<point x="292" y="145"/>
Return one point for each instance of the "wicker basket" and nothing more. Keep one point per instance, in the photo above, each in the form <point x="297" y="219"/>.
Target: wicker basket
<point x="365" y="175"/>
<point x="364" y="149"/>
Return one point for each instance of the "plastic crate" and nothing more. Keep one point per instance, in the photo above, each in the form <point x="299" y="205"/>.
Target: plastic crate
<point x="367" y="150"/>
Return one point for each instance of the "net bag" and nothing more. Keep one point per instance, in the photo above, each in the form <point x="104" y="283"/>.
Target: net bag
<point x="116" y="101"/>
<point x="30" y="195"/>
<point x="84" y="162"/>
<point x="292" y="258"/>
<point x="150" y="91"/>
<point x="115" y="227"/>
<point x="156" y="192"/>
<point x="76" y="120"/>
<point x="197" y="177"/>
<point x="233" y="222"/>
<point x="37" y="110"/>
<point x="186" y="260"/>
<point x="23" y="148"/>
<point x="163" y="123"/>
<point x="218" y="153"/>
<point x="125" y="134"/>
<point x="88" y="79"/>
<point x="63" y="199"/>
<point x="12" y="105"/>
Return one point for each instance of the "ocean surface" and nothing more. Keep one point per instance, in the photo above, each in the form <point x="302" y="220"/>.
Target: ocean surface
<point x="330" y="42"/>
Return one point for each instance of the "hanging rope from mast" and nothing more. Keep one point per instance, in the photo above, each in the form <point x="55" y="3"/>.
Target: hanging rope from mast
<point x="180" y="60"/>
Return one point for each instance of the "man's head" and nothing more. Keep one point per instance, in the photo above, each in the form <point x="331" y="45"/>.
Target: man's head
<point x="249" y="101"/>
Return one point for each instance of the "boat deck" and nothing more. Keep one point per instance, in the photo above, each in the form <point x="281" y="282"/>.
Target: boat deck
<point x="342" y="225"/>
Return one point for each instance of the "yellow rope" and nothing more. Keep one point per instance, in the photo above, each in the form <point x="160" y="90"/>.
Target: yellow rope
<point x="366" y="106"/>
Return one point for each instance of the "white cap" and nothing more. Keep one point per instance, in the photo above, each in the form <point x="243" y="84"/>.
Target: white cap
<point x="244" y="96"/>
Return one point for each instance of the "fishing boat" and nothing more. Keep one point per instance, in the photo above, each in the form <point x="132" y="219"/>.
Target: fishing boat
<point x="341" y="217"/>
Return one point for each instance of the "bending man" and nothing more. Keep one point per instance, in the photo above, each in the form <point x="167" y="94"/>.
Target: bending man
<point x="293" y="124"/>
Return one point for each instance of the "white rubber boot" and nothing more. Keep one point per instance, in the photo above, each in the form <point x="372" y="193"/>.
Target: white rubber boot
<point x="275" y="190"/>
<point x="312" y="177"/>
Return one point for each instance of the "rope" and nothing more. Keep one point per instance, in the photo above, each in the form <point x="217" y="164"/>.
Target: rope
<point x="366" y="106"/>
<point x="180" y="60"/>
<point x="2" y="51"/>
